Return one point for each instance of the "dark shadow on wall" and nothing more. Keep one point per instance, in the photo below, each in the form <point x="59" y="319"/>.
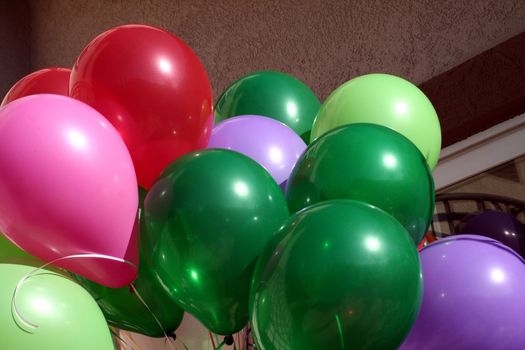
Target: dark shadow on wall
<point x="15" y="37"/>
<point x="481" y="92"/>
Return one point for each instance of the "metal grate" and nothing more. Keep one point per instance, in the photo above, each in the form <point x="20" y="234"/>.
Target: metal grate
<point x="451" y="208"/>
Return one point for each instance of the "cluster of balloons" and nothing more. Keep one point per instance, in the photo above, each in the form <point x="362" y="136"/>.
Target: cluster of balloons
<point x="271" y="209"/>
<point x="75" y="146"/>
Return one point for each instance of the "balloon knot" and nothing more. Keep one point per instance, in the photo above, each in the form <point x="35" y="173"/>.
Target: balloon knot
<point x="228" y="340"/>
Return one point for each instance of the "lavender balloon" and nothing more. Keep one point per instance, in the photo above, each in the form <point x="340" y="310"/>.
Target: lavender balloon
<point x="474" y="290"/>
<point x="269" y="142"/>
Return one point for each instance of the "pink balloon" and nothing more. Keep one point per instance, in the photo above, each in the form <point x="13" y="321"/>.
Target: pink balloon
<point x="68" y="186"/>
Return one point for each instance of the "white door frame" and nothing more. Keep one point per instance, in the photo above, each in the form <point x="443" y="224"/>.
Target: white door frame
<point x="480" y="152"/>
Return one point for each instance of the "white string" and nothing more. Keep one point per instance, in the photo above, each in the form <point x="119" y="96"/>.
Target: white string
<point x="30" y="327"/>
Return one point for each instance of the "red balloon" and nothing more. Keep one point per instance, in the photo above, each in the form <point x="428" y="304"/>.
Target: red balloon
<point x="152" y="87"/>
<point x="44" y="81"/>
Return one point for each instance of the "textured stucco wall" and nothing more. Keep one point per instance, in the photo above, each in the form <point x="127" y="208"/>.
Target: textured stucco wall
<point x="14" y="43"/>
<point x="323" y="42"/>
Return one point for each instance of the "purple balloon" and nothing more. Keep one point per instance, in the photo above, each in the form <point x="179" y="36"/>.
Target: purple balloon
<point x="498" y="225"/>
<point x="474" y="289"/>
<point x="269" y="142"/>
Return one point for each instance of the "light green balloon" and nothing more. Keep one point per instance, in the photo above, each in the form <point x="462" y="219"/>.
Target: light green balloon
<point x="385" y="100"/>
<point x="66" y="315"/>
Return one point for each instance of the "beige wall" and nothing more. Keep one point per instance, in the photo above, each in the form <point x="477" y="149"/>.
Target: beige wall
<point x="495" y="181"/>
<point x="323" y="42"/>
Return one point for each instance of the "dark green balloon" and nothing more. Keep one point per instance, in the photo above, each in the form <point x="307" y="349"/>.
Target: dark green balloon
<point x="123" y="308"/>
<point x="369" y="163"/>
<point x="345" y="275"/>
<point x="272" y="94"/>
<point x="209" y="215"/>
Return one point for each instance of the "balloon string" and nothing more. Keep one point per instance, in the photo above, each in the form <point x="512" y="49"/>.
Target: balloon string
<point x="122" y="345"/>
<point x="212" y="341"/>
<point x="22" y="322"/>
<point x="221" y="345"/>
<point x="340" y="329"/>
<point x="183" y="344"/>
<point x="136" y="292"/>
<point x="120" y="339"/>
<point x="247" y="335"/>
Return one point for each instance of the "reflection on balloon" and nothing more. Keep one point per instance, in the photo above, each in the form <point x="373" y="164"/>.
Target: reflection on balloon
<point x="70" y="189"/>
<point x="473" y="298"/>
<point x="370" y="163"/>
<point x="385" y="100"/>
<point x="340" y="274"/>
<point x="272" y="94"/>
<point x="270" y="143"/>
<point x="67" y="316"/>
<point x="208" y="217"/>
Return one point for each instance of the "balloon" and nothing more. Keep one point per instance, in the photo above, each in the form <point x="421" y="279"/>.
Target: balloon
<point x="473" y="298"/>
<point x="422" y="244"/>
<point x="272" y="94"/>
<point x="70" y="189"/>
<point x="270" y="143"/>
<point x="385" y="100"/>
<point x="208" y="217"/>
<point x="44" y="81"/>
<point x="152" y="88"/>
<point x="66" y="315"/>
<point x="345" y="275"/>
<point x="498" y="225"/>
<point x="370" y="163"/>
<point x="11" y="254"/>
<point x="123" y="308"/>
<point x="9" y="250"/>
